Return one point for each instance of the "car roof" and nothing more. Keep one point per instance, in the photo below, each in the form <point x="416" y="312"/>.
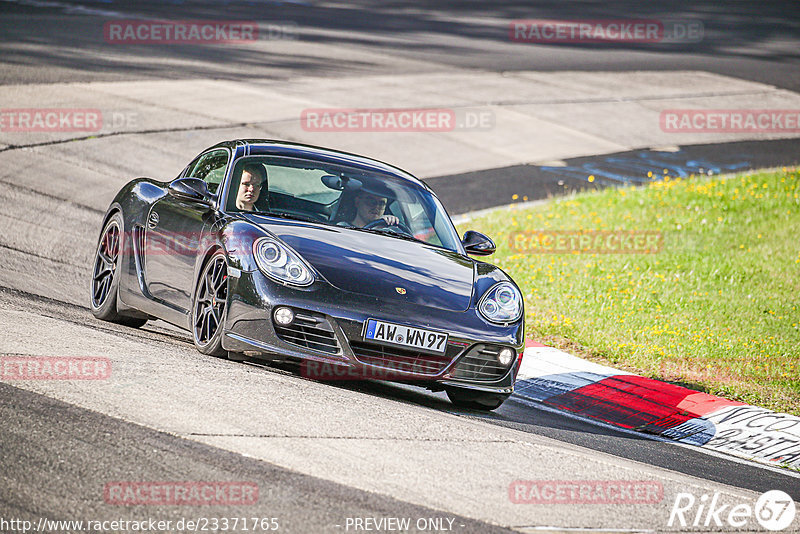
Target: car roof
<point x="273" y="147"/>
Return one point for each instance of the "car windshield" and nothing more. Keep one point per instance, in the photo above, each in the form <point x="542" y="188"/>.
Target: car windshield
<point x="340" y="195"/>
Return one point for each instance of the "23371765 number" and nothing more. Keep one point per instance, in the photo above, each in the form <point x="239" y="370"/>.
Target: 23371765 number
<point x="230" y="524"/>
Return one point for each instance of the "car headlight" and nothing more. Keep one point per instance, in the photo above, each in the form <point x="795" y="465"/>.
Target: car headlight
<point x="501" y="304"/>
<point x="279" y="262"/>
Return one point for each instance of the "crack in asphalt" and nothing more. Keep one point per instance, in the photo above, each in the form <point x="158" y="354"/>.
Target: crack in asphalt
<point x="644" y="98"/>
<point x="148" y="334"/>
<point x="39" y="298"/>
<point x="132" y="132"/>
<point x="35" y="255"/>
<point x="51" y="196"/>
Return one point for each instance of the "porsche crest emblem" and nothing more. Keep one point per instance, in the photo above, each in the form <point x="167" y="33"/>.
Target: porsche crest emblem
<point x="152" y="220"/>
<point x="400" y="290"/>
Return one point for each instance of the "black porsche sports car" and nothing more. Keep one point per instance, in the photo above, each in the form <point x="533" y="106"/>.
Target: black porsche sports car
<point x="282" y="251"/>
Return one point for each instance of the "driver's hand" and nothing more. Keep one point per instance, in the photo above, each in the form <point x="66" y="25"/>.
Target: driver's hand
<point x="391" y="220"/>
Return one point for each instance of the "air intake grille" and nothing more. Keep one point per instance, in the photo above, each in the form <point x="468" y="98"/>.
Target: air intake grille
<point x="309" y="330"/>
<point x="480" y="363"/>
<point x="401" y="360"/>
<point x="139" y="248"/>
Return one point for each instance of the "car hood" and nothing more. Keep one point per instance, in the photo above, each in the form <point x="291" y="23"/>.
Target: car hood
<point x="381" y="266"/>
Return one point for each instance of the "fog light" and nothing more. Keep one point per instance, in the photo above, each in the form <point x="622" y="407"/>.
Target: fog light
<point x="284" y="316"/>
<point x="505" y="356"/>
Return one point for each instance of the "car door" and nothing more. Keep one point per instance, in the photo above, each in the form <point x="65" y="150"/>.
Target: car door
<point x="173" y="233"/>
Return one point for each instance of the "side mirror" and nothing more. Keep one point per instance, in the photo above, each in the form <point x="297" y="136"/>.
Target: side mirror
<point x="477" y="244"/>
<point x="193" y="189"/>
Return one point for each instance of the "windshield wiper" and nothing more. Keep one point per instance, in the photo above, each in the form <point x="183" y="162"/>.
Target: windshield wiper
<point x="293" y="216"/>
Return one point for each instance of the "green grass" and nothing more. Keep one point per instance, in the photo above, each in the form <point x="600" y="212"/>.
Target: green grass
<point x="716" y="309"/>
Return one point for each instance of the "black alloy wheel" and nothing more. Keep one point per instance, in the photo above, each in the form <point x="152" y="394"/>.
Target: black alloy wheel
<point x="208" y="309"/>
<point x="105" y="276"/>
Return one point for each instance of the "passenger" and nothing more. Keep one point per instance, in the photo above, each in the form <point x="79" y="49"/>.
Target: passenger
<point x="254" y="176"/>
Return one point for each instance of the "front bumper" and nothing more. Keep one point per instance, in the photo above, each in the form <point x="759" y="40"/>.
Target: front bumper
<point x="341" y="353"/>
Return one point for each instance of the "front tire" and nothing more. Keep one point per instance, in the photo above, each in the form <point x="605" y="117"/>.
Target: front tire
<point x="105" y="275"/>
<point x="208" y="306"/>
<point x="475" y="400"/>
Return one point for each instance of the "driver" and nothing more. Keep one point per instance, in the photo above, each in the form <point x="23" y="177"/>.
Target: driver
<point x="370" y="208"/>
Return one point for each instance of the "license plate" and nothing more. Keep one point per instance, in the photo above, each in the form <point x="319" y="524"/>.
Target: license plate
<point x="405" y="336"/>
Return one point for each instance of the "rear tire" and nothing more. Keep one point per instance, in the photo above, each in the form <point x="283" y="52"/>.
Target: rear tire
<point x="475" y="400"/>
<point x="104" y="287"/>
<point x="208" y="306"/>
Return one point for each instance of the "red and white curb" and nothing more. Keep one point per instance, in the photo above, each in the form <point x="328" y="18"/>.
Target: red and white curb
<point x="565" y="382"/>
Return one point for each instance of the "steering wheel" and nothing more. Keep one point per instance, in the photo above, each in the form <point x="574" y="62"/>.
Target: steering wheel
<point x="381" y="223"/>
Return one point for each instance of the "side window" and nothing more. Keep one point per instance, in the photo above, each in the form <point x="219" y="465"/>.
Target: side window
<point x="211" y="169"/>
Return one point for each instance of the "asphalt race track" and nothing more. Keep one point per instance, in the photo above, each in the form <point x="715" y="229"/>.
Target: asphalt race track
<point x="326" y="455"/>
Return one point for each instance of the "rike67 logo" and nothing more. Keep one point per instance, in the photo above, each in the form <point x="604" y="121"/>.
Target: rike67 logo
<point x="774" y="511"/>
